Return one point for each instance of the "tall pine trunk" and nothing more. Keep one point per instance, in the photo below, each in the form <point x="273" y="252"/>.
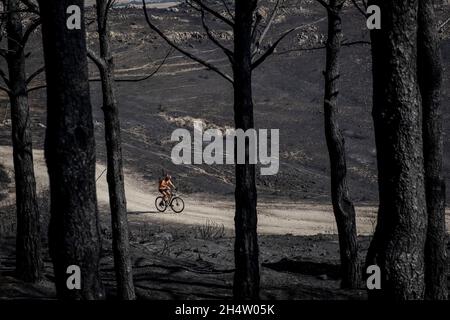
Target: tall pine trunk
<point x="430" y="81"/>
<point x="28" y="242"/>
<point x="74" y="237"/>
<point x="246" y="278"/>
<point x="398" y="245"/>
<point x="343" y="208"/>
<point x="117" y="200"/>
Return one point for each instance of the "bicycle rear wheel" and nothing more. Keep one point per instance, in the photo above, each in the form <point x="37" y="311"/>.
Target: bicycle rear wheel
<point x="177" y="204"/>
<point x="160" y="204"/>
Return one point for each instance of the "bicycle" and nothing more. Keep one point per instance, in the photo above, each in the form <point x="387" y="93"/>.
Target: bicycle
<point x="174" y="202"/>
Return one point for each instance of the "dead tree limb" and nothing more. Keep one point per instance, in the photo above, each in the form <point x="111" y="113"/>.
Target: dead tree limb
<point x="5" y="89"/>
<point x="214" y="13"/>
<point x="272" y="48"/>
<point x="209" y="34"/>
<point x="35" y="74"/>
<point x="4" y="77"/>
<point x="266" y="29"/>
<point x="98" y="61"/>
<point x="227" y="9"/>
<point x="31" y="6"/>
<point x="357" y="6"/>
<point x="211" y="37"/>
<point x="181" y="50"/>
<point x="29" y="31"/>
<point x="92" y="55"/>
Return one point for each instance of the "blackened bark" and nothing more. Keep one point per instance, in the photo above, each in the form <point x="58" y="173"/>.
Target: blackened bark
<point x="246" y="278"/>
<point x="28" y="242"/>
<point x="74" y="237"/>
<point x="343" y="208"/>
<point x="430" y="80"/>
<point x="398" y="246"/>
<point x="116" y="187"/>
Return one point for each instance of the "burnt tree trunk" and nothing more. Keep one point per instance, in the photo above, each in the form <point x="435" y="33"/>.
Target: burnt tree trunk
<point x="74" y="237"/>
<point x="246" y="277"/>
<point x="398" y="246"/>
<point x="28" y="242"/>
<point x="343" y="208"/>
<point x="430" y="81"/>
<point x="116" y="187"/>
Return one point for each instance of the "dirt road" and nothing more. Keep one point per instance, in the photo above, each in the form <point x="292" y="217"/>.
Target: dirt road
<point x="274" y="218"/>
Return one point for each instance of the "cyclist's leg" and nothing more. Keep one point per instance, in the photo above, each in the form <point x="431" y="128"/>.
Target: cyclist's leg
<point x="163" y="192"/>
<point x="166" y="195"/>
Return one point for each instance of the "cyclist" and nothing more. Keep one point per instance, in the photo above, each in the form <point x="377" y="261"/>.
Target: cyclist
<point x="165" y="187"/>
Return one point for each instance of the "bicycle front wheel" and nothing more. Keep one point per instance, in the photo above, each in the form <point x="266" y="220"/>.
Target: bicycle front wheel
<point x="177" y="204"/>
<point x="160" y="204"/>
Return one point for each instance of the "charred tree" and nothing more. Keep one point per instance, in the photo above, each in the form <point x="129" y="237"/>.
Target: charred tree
<point x="246" y="277"/>
<point x="74" y="235"/>
<point x="28" y="242"/>
<point x="430" y="81"/>
<point x="399" y="241"/>
<point x="115" y="177"/>
<point x="343" y="208"/>
<point x="245" y="57"/>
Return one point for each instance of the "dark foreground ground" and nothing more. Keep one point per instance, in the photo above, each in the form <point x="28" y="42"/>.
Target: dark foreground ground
<point x="172" y="263"/>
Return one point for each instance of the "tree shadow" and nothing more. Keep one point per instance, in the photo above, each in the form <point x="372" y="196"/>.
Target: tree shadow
<point x="141" y="212"/>
<point x="306" y="267"/>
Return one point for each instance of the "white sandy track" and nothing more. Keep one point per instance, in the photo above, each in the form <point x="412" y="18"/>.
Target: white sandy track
<point x="273" y="218"/>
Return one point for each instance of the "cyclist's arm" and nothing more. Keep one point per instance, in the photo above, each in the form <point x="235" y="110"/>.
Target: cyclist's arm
<point x="172" y="185"/>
